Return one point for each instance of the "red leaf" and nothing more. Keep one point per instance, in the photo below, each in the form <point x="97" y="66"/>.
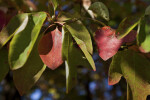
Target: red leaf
<point x="130" y="37"/>
<point x="50" y="47"/>
<point x="2" y="19"/>
<point x="107" y="42"/>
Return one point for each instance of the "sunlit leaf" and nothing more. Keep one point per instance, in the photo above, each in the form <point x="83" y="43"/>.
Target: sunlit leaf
<point x="74" y="57"/>
<point x="14" y="27"/>
<point x="24" y="39"/>
<point x="83" y="39"/>
<point x="134" y="68"/>
<point x="127" y="24"/>
<point x="79" y="31"/>
<point x="65" y="16"/>
<point x="100" y="10"/>
<point x="27" y="76"/>
<point x="143" y="37"/>
<point x="4" y="66"/>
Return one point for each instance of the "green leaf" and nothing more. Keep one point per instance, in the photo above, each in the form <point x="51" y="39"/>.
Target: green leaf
<point x="54" y="4"/>
<point x="4" y="66"/>
<point x="66" y="16"/>
<point x="143" y="38"/>
<point x="83" y="39"/>
<point x="126" y="25"/>
<point x="134" y="68"/>
<point x="74" y="57"/>
<point x="27" y="76"/>
<point x="15" y="24"/>
<point x="100" y="10"/>
<point x="79" y="31"/>
<point x="147" y="11"/>
<point x="24" y="39"/>
<point x="70" y="63"/>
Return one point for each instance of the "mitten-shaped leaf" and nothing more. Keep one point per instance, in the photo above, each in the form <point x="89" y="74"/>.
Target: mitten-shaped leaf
<point x="107" y="42"/>
<point x="50" y="48"/>
<point x="134" y="68"/>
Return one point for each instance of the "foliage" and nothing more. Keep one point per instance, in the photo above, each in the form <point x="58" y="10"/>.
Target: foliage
<point x="31" y="41"/>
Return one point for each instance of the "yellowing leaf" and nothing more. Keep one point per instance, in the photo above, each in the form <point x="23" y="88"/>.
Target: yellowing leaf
<point x="135" y="69"/>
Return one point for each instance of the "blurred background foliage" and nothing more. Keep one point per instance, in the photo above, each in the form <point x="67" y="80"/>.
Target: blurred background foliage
<point x="91" y="85"/>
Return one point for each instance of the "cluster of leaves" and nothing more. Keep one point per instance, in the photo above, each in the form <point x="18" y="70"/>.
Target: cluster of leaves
<point x="28" y="50"/>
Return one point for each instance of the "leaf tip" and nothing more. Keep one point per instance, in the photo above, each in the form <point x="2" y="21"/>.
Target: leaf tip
<point x="94" y="69"/>
<point x="112" y="81"/>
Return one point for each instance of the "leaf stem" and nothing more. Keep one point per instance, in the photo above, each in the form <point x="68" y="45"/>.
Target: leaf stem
<point x="48" y="15"/>
<point x="48" y="28"/>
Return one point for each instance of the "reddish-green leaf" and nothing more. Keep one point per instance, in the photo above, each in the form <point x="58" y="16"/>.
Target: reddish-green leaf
<point x="127" y="24"/>
<point x="50" y="48"/>
<point x="26" y="76"/>
<point x="24" y="39"/>
<point x="134" y="68"/>
<point x="130" y="37"/>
